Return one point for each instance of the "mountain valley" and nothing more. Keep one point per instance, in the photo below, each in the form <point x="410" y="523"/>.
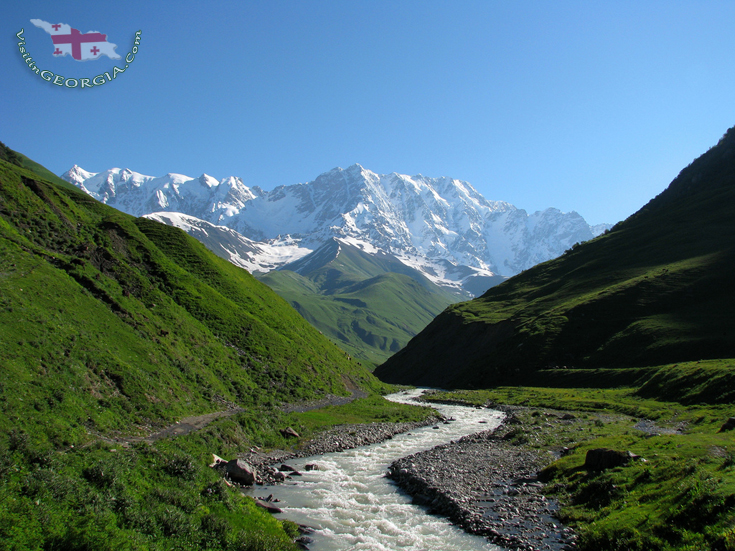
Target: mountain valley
<point x="116" y="330"/>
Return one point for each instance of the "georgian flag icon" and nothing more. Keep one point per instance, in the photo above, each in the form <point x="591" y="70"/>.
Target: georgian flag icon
<point x="82" y="47"/>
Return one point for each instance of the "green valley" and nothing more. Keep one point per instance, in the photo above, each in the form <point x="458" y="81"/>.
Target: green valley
<point x="368" y="304"/>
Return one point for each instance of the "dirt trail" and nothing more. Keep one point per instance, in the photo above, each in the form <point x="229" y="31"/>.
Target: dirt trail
<point x="188" y="425"/>
<point x="330" y="400"/>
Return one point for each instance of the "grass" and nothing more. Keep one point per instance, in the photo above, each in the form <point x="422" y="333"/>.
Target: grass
<point x="680" y="496"/>
<point x="373" y="409"/>
<point x="145" y="497"/>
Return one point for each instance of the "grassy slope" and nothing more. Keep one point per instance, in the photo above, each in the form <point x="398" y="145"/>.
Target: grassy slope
<point x="139" y="319"/>
<point x="655" y="290"/>
<point x="157" y="497"/>
<point x="370" y="306"/>
<point x="113" y="326"/>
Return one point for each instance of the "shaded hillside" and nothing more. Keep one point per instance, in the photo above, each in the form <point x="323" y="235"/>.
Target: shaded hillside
<point x="115" y="323"/>
<point x="369" y="304"/>
<point x="654" y="290"/>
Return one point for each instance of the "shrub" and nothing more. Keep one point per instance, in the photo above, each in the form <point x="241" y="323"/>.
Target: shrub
<point x="103" y="474"/>
<point x="181" y="466"/>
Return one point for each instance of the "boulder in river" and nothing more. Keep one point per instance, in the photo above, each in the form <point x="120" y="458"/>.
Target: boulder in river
<point x="268" y="507"/>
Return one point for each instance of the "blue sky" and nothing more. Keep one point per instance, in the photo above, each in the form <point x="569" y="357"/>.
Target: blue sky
<point x="586" y="106"/>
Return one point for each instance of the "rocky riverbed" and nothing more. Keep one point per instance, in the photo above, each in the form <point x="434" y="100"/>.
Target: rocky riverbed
<point x="487" y="484"/>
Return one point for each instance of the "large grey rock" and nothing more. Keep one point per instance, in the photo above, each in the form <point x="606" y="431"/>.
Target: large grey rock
<point x="241" y="472"/>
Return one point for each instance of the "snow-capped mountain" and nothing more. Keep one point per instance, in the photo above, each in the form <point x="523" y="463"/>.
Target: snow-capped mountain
<point x="441" y="226"/>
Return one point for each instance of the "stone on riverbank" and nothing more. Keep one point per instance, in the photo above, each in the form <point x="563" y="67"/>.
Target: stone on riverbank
<point x="241" y="472"/>
<point x="728" y="425"/>
<point x="600" y="459"/>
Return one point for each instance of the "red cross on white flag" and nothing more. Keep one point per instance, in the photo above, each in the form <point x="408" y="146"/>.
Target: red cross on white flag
<point x="82" y="47"/>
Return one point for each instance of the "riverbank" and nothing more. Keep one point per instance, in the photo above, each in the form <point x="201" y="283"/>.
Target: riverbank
<point x="487" y="483"/>
<point x="347" y="498"/>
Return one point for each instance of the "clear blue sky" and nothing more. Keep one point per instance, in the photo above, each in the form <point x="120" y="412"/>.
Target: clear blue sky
<point x="586" y="106"/>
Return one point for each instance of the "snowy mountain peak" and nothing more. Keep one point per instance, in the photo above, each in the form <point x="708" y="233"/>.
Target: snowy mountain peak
<point x="76" y="174"/>
<point x="441" y="226"/>
<point x="207" y="181"/>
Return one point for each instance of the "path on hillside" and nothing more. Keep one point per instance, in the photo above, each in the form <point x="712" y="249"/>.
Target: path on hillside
<point x="197" y="422"/>
<point x="330" y="400"/>
<point x="187" y="425"/>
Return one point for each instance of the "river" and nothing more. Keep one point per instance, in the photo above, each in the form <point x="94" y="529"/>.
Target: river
<point x="352" y="506"/>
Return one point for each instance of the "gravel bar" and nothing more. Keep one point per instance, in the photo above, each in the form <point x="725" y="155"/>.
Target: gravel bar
<point x="488" y="486"/>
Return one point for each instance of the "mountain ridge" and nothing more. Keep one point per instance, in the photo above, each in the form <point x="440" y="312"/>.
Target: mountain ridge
<point x="425" y="222"/>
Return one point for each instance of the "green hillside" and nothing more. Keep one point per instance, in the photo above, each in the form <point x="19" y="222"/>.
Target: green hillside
<point x="654" y="290"/>
<point x="134" y="311"/>
<point x="113" y="327"/>
<point x="369" y="305"/>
